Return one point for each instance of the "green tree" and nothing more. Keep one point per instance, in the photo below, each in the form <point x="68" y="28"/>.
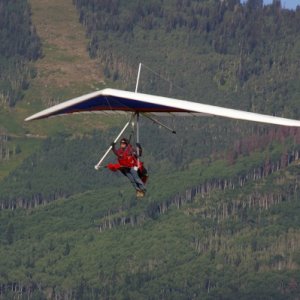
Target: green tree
<point x="9" y="233"/>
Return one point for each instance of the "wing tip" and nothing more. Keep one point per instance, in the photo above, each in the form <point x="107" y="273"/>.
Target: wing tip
<point x="30" y="118"/>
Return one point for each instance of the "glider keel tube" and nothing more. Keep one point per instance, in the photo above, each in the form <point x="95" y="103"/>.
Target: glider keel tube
<point x="112" y="100"/>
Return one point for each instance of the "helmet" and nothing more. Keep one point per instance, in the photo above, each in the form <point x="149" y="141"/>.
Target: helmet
<point x="125" y="141"/>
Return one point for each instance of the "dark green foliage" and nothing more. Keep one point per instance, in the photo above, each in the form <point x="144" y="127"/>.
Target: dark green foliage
<point x="182" y="254"/>
<point x="218" y="52"/>
<point x="64" y="166"/>
<point x="221" y="215"/>
<point x="217" y="246"/>
<point x="215" y="51"/>
<point x="61" y="168"/>
<point x="67" y="250"/>
<point x="9" y="233"/>
<point x="19" y="44"/>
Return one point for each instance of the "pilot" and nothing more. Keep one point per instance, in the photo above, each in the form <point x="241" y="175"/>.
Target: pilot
<point x="129" y="164"/>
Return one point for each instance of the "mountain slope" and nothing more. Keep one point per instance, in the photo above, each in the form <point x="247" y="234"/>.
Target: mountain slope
<point x="251" y="251"/>
<point x="66" y="61"/>
<point x="64" y="70"/>
<point x="220" y="219"/>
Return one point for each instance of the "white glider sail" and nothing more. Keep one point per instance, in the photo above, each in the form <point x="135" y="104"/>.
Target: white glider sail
<point x="116" y="101"/>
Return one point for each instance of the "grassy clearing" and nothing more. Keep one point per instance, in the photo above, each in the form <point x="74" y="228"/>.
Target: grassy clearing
<point x="65" y="71"/>
<point x="65" y="60"/>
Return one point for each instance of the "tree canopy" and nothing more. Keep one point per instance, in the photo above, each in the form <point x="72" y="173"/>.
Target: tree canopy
<point x="220" y="219"/>
<point x="19" y="44"/>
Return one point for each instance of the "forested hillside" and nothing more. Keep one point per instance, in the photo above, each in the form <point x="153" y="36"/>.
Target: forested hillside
<point x="19" y="45"/>
<point x="219" y="52"/>
<point x="244" y="56"/>
<point x="219" y="244"/>
<point x="220" y="217"/>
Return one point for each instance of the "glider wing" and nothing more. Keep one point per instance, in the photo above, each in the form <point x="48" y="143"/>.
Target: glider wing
<point x="118" y="101"/>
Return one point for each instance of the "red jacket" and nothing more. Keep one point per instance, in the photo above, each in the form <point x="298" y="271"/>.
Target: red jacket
<point x="127" y="157"/>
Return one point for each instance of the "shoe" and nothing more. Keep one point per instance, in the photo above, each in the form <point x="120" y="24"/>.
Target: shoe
<point x="140" y="194"/>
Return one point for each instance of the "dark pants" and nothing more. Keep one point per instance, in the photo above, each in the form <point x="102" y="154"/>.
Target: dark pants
<point x="134" y="178"/>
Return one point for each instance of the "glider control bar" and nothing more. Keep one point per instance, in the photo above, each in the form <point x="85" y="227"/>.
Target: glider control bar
<point x="98" y="165"/>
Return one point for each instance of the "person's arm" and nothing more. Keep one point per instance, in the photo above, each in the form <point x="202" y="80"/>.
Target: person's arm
<point x="113" y="148"/>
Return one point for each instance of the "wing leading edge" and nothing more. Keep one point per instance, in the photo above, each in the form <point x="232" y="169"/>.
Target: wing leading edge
<point x="112" y="100"/>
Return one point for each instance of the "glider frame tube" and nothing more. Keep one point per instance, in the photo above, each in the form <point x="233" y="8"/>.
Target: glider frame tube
<point x="159" y="123"/>
<point x="98" y="165"/>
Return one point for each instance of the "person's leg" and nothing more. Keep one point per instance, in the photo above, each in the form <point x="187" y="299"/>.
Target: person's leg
<point x="137" y="179"/>
<point x="127" y="173"/>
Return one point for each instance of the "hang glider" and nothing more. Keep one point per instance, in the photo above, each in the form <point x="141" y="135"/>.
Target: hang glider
<point x="113" y="101"/>
<point x="118" y="101"/>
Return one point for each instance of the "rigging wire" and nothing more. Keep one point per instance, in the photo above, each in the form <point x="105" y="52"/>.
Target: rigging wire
<point x="164" y="78"/>
<point x="172" y="84"/>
